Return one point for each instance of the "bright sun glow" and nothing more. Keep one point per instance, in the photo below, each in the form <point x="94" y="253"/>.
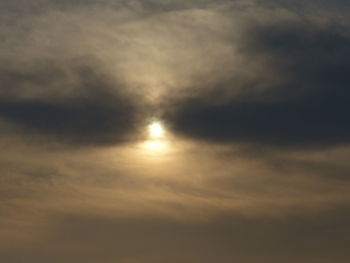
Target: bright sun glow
<point x="155" y="146"/>
<point x="157" y="142"/>
<point x="156" y="130"/>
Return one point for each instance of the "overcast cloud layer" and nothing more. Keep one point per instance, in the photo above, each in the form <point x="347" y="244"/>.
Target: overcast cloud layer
<point x="254" y="97"/>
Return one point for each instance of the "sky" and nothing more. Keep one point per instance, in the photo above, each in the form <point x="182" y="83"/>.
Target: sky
<point x="157" y="131"/>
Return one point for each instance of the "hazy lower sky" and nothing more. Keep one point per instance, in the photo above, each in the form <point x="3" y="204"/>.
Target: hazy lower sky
<point x="155" y="131"/>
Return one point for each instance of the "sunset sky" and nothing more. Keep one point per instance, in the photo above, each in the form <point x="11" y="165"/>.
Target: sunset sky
<point x="174" y="131"/>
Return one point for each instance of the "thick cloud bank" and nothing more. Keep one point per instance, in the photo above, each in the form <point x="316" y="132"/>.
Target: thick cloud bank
<point x="304" y="70"/>
<point x="73" y="103"/>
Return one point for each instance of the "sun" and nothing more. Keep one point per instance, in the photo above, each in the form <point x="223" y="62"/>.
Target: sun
<point x="156" y="130"/>
<point x="157" y="142"/>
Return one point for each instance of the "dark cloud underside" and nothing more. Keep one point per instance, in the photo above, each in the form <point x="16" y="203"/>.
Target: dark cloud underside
<point x="90" y="110"/>
<point x="310" y="106"/>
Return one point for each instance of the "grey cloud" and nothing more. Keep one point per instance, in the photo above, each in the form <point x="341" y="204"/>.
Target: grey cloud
<point x="308" y="106"/>
<point x="90" y="109"/>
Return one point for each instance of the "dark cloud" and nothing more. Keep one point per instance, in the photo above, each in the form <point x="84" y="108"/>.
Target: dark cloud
<point x="71" y="103"/>
<point x="309" y="106"/>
